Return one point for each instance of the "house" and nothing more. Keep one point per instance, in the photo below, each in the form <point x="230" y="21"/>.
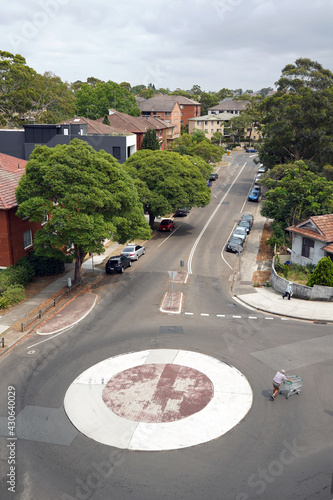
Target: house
<point x="138" y="126"/>
<point x="21" y="143"/>
<point x="312" y="239"/>
<point x="165" y="107"/>
<point x="229" y="105"/>
<point x="210" y="124"/>
<point x="16" y="234"/>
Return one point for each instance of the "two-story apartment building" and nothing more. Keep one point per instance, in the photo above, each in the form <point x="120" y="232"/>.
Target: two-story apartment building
<point x="210" y="124"/>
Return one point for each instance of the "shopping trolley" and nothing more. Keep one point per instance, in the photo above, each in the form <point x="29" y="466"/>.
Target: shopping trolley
<point x="293" y="387"/>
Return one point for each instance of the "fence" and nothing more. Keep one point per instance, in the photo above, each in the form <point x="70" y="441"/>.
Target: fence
<point x="52" y="304"/>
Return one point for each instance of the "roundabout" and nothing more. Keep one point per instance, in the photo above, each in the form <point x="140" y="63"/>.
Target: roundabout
<point x="156" y="400"/>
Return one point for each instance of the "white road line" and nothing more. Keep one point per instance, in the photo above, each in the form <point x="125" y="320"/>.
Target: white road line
<point x="204" y="314"/>
<point x="238" y="317"/>
<point x="284" y="319"/>
<point x="220" y="315"/>
<point x="269" y="318"/>
<point x="253" y="317"/>
<point x="172" y="232"/>
<point x="188" y="314"/>
<point x="189" y="265"/>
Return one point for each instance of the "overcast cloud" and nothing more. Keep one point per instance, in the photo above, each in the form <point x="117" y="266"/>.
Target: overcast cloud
<point x="180" y="43"/>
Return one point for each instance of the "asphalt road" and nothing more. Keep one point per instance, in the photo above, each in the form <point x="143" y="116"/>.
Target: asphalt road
<point x="281" y="450"/>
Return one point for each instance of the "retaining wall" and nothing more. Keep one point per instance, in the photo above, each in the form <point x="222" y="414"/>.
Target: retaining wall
<point x="301" y="291"/>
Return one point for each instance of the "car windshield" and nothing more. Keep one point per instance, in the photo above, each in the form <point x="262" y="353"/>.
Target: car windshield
<point x="235" y="241"/>
<point x="165" y="222"/>
<point x="129" y="249"/>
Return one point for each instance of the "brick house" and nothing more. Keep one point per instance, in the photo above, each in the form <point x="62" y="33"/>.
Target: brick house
<point x="164" y="107"/>
<point x="312" y="239"/>
<point x="16" y="234"/>
<point x="139" y="125"/>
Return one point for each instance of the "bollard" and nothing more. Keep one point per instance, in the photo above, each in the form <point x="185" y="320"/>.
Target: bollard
<point x="40" y="314"/>
<point x="3" y="342"/>
<point x="22" y="327"/>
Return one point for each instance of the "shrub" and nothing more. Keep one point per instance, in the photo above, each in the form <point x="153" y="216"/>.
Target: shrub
<point x="45" y="266"/>
<point x="12" y="295"/>
<point x="285" y="271"/>
<point x="278" y="264"/>
<point x="323" y="273"/>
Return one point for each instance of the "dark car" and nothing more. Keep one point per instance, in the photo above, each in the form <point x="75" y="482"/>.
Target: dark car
<point x="235" y="245"/>
<point x="182" y="212"/>
<point x="213" y="176"/>
<point x="248" y="217"/>
<point x="254" y="196"/>
<point x="117" y="263"/>
<point x="246" y="224"/>
<point x="208" y="183"/>
<point x="167" y="225"/>
<point x="251" y="150"/>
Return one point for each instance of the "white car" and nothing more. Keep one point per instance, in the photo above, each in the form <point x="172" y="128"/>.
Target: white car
<point x="240" y="232"/>
<point x="261" y="169"/>
<point x="133" y="251"/>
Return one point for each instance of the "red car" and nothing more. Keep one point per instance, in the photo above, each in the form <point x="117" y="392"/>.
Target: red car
<point x="167" y="225"/>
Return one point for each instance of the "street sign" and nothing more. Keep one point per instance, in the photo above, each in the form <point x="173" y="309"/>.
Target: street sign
<point x="172" y="274"/>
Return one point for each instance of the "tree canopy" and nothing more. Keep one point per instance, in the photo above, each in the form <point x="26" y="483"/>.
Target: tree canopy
<point x="298" y="119"/>
<point x="88" y="197"/>
<point x="298" y="194"/>
<point x="150" y="140"/>
<point x="323" y="273"/>
<point x="166" y="181"/>
<point x="197" y="144"/>
<point x="94" y="101"/>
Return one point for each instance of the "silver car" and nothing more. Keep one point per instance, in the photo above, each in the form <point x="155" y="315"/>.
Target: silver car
<point x="133" y="251"/>
<point x="240" y="232"/>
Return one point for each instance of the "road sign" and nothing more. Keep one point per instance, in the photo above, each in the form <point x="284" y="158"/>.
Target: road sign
<point x="172" y="274"/>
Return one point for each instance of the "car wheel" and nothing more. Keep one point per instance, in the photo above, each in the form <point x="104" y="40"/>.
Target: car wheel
<point x="130" y="264"/>
<point x="122" y="270"/>
<point x="143" y="252"/>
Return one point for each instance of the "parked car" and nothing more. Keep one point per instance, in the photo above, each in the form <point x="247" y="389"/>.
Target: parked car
<point x="256" y="187"/>
<point x="117" y="263"/>
<point x="254" y="196"/>
<point x="213" y="176"/>
<point x="240" y="232"/>
<point x="261" y="169"/>
<point x="182" y="212"/>
<point x="251" y="150"/>
<point x="208" y="183"/>
<point x="258" y="178"/>
<point x="167" y="225"/>
<point x="249" y="218"/>
<point x="246" y="224"/>
<point x="133" y="251"/>
<point x="235" y="245"/>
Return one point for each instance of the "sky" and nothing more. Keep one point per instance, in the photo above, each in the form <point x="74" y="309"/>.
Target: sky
<point x="175" y="44"/>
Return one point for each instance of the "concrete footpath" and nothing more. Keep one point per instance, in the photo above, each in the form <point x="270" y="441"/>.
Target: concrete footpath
<point x="73" y="308"/>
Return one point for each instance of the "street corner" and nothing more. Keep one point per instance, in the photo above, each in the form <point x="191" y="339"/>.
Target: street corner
<point x="71" y="314"/>
<point x="172" y="303"/>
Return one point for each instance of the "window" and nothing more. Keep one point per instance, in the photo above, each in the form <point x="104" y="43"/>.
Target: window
<point x="167" y="113"/>
<point x="116" y="152"/>
<point x="199" y="122"/>
<point x="307" y="248"/>
<point x="206" y="122"/>
<point x="27" y="239"/>
<point x="181" y="106"/>
<point x="212" y="130"/>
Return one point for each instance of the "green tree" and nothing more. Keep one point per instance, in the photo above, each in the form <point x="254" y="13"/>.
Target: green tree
<point x="217" y="138"/>
<point x="208" y="100"/>
<point x="137" y="89"/>
<point x="150" y="140"/>
<point x="323" y="273"/>
<point x="53" y="100"/>
<point x="223" y="93"/>
<point x="89" y="198"/>
<point x="298" y="119"/>
<point x="16" y="88"/>
<point x="299" y="194"/>
<point x="95" y="101"/>
<point x="146" y="93"/>
<point x="165" y="181"/>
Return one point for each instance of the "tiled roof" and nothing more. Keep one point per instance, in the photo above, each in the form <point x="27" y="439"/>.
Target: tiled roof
<point x="135" y="124"/>
<point x="323" y="230"/>
<point x="230" y="105"/>
<point x="165" y="102"/>
<point x="11" y="171"/>
<point x="213" y="117"/>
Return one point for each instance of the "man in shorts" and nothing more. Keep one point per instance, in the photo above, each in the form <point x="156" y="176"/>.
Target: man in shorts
<point x="279" y="377"/>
